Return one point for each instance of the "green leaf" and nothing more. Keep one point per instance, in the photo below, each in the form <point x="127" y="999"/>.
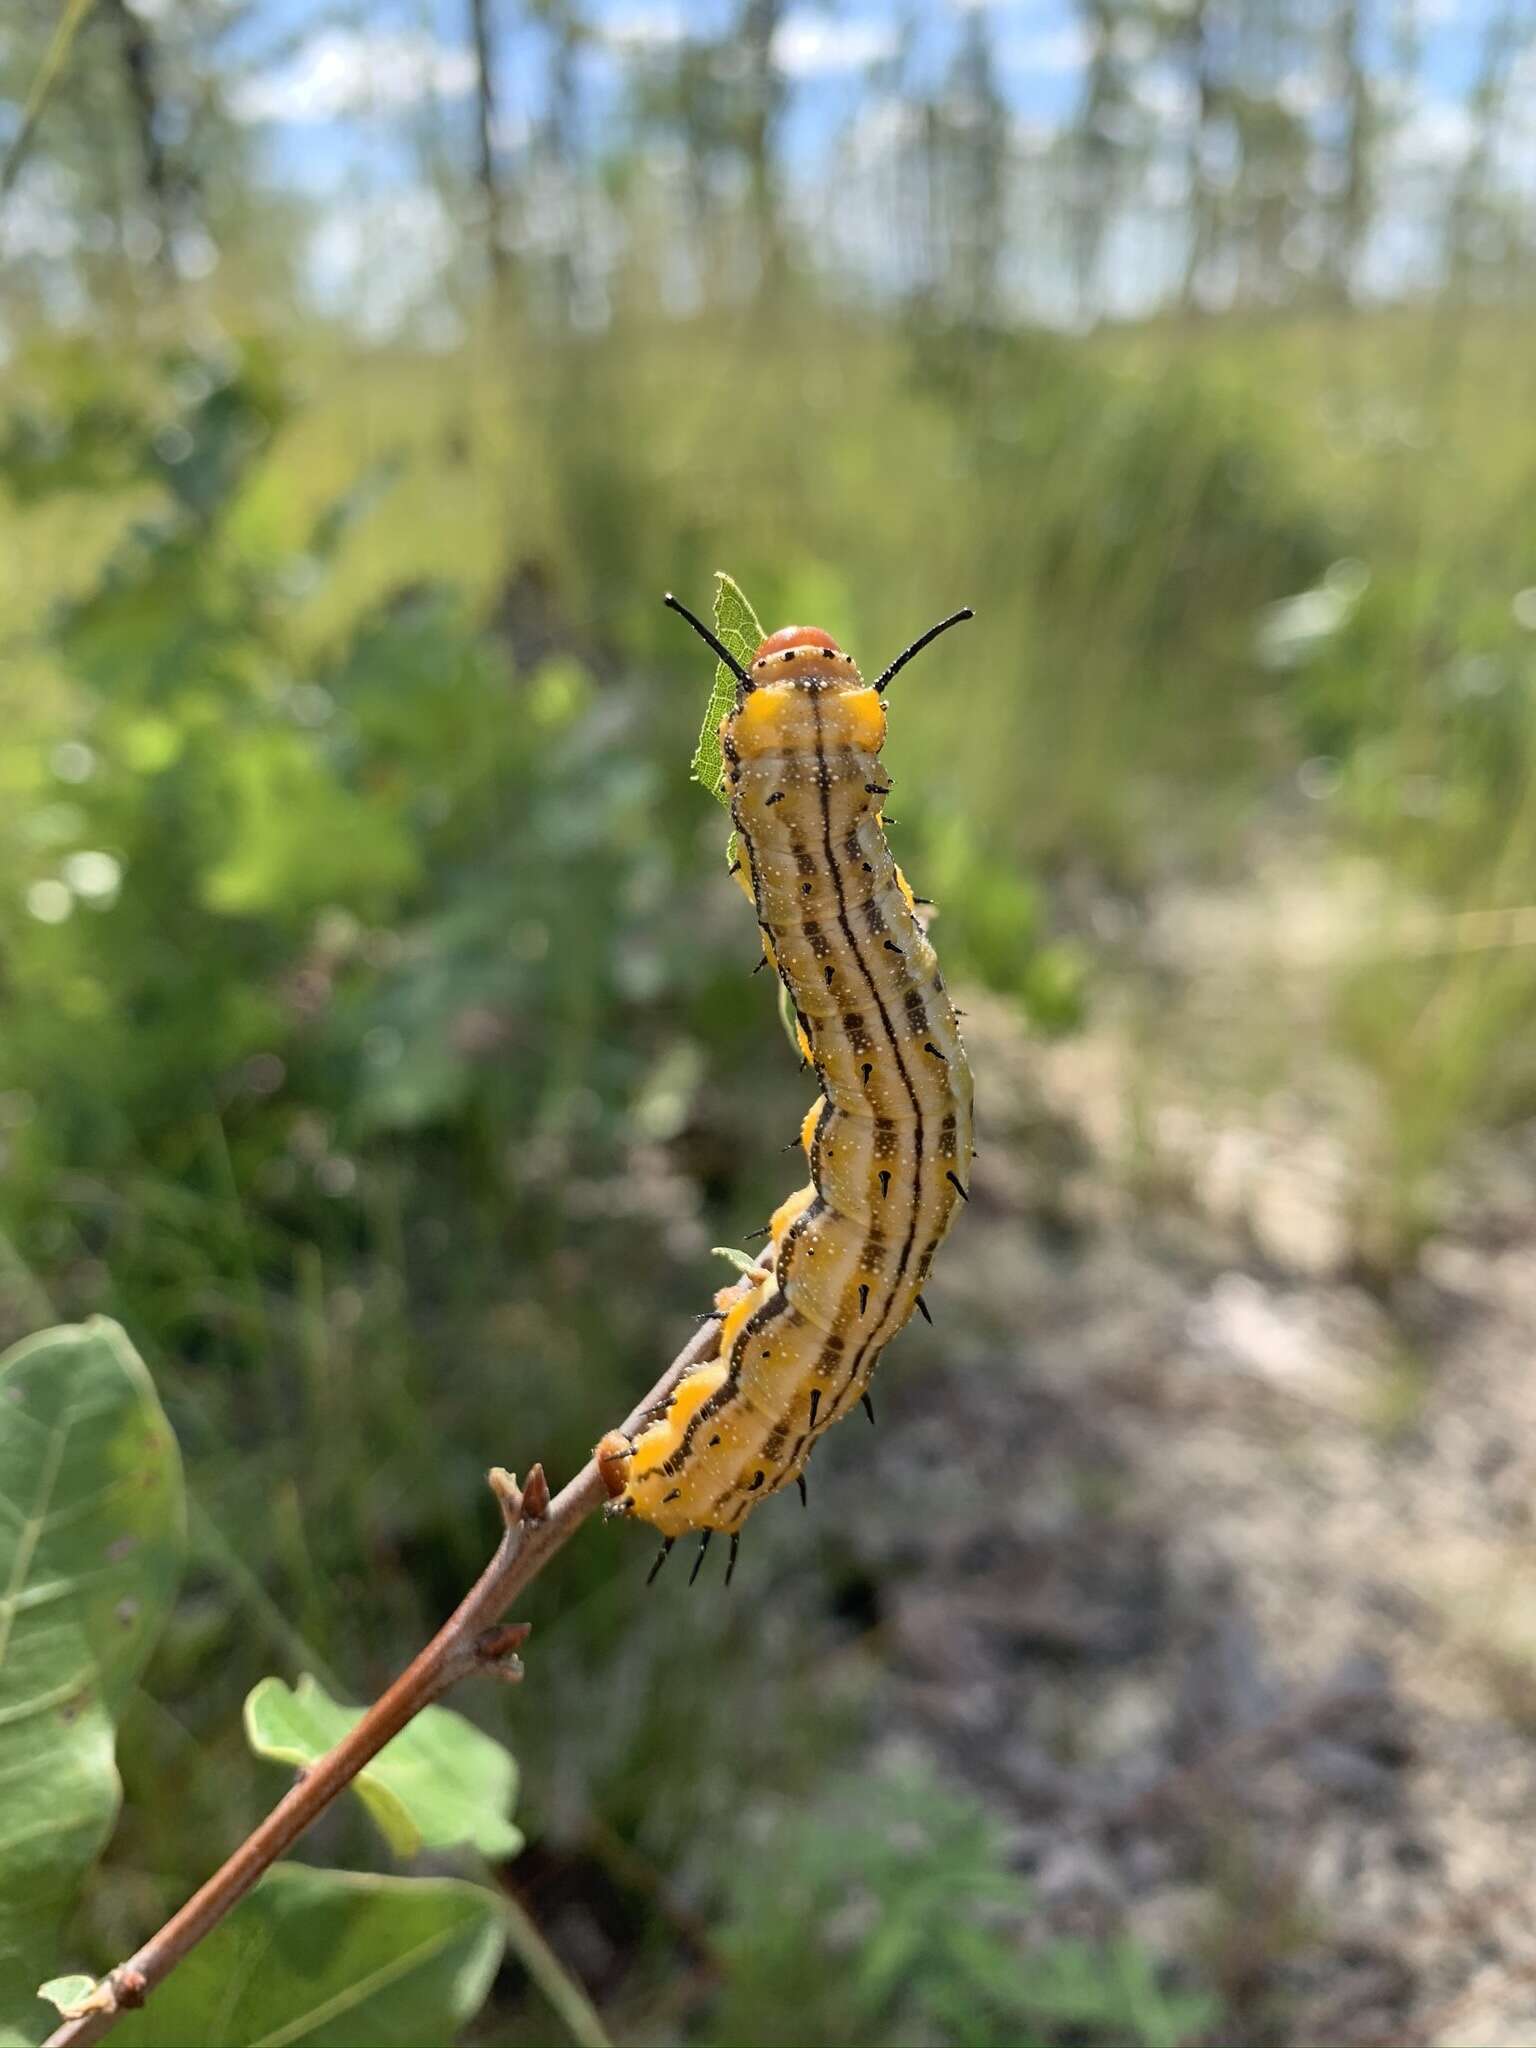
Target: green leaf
<point x="742" y="1261"/>
<point x="439" y="1783"/>
<point x="67" y="1992"/>
<point x="737" y="625"/>
<point x="92" y="1528"/>
<point x="330" y="1960"/>
<point x="790" y="1021"/>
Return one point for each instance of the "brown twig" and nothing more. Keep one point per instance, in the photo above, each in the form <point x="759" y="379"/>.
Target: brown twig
<point x="472" y="1639"/>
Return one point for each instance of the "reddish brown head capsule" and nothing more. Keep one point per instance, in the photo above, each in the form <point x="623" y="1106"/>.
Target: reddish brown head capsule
<point x="790" y="639"/>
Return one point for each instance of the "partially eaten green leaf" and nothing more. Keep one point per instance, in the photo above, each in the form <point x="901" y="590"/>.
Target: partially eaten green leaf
<point x="439" y="1783"/>
<point x="737" y="625"/>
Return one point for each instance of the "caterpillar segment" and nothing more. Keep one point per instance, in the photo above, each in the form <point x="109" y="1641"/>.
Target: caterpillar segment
<point x="888" y="1140"/>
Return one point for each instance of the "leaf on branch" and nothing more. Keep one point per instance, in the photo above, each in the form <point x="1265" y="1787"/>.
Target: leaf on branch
<point x="92" y="1531"/>
<point x="439" y="1783"/>
<point x="323" y="1959"/>
<point x="742" y="1261"/>
<point x="737" y="625"/>
<point x="69" y="1994"/>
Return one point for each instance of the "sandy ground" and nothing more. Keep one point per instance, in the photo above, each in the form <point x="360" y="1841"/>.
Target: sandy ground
<point x="1223" y="1583"/>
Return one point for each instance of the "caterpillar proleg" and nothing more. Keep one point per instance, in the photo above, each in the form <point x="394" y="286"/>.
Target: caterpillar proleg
<point x="888" y="1140"/>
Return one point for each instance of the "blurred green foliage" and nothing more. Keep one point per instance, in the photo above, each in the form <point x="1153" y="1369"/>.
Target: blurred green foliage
<point x="891" y="1914"/>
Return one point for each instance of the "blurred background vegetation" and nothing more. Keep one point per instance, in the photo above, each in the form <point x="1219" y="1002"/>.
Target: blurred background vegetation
<point x="378" y="1039"/>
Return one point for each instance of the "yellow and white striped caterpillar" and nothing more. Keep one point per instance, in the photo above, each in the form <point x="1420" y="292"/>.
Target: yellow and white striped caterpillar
<point x="889" y="1139"/>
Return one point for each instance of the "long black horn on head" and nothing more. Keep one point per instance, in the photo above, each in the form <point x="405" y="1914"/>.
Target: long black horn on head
<point x="704" y="633"/>
<point x="917" y="646"/>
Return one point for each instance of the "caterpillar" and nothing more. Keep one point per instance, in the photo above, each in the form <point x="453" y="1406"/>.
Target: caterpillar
<point x="888" y="1140"/>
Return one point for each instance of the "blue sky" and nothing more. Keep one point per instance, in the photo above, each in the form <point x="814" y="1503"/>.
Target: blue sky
<point x="1038" y="44"/>
<point x="342" y="97"/>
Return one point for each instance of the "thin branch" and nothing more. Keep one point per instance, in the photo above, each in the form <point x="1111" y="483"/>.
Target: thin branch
<point x="473" y="1639"/>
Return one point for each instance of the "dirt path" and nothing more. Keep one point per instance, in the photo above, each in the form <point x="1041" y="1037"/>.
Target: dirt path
<point x="1227" y="1585"/>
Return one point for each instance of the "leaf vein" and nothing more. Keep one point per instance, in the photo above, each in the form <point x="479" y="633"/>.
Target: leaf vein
<point x="364" y="1988"/>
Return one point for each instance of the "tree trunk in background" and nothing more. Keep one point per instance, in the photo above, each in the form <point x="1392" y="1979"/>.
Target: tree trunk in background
<point x="141" y="79"/>
<point x="1507" y="34"/>
<point x="976" y="170"/>
<point x="559" y="145"/>
<point x="487" y="175"/>
<point x="1095" y="149"/>
<point x="1193" y="53"/>
<point x="1351" y="210"/>
<point x="765" y="95"/>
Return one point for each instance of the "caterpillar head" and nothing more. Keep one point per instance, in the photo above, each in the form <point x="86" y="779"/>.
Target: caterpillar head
<point x="797" y="653"/>
<point x="801" y="682"/>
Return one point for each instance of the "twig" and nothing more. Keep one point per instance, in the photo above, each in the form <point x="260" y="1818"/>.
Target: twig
<point x="473" y="1639"/>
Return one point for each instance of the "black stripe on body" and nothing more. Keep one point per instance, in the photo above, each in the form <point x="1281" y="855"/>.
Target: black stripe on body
<point x="835" y="870"/>
<point x="816" y="1138"/>
<point x="776" y="1305"/>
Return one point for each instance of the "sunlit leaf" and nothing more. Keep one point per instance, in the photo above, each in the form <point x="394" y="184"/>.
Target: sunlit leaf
<point x="439" y="1783"/>
<point x="737" y="625"/>
<point x="328" y="1960"/>
<point x="91" y="1538"/>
